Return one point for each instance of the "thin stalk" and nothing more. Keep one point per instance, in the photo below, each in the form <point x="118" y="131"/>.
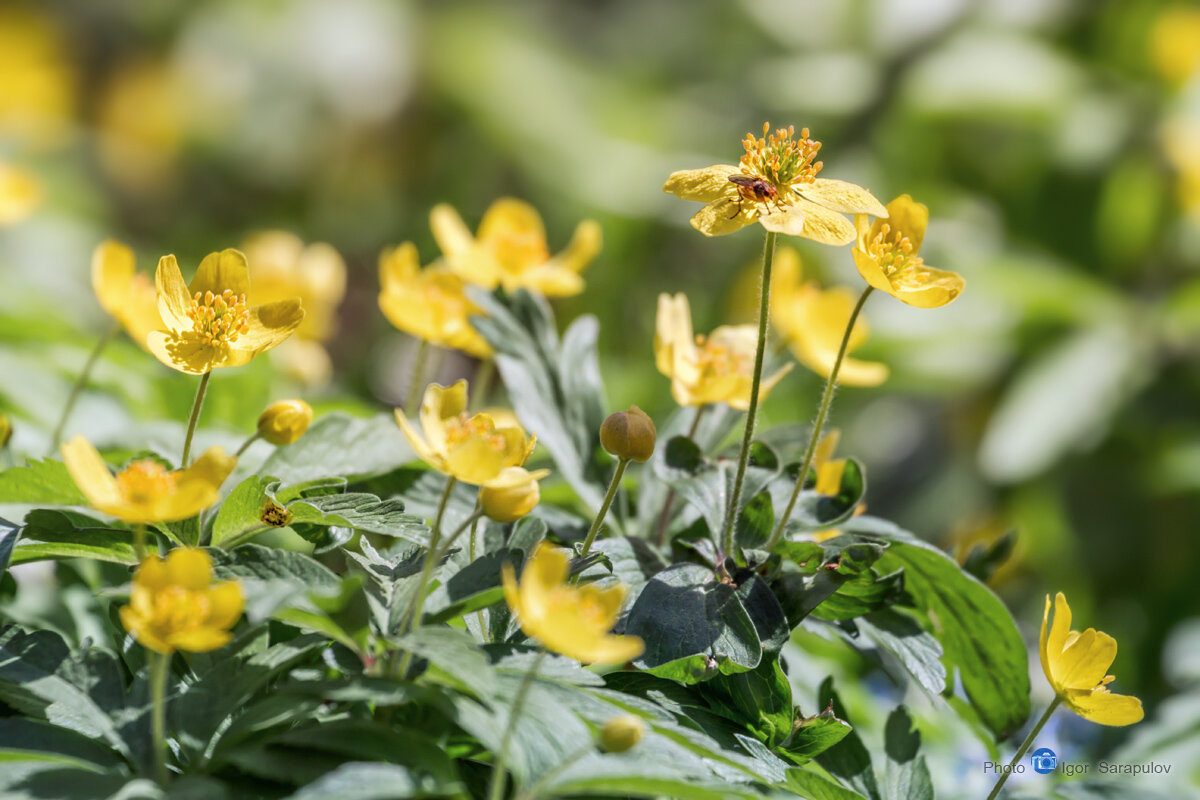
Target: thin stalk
<point x="416" y="381"/>
<point x="468" y="523"/>
<point x="412" y="617"/>
<point x="536" y="789"/>
<point x="496" y="789"/>
<point x="139" y="541"/>
<point x="197" y="404"/>
<point x="482" y="384"/>
<point x="664" y="518"/>
<point x="80" y="383"/>
<point x="819" y="424"/>
<point x="479" y="615"/>
<point x="160" y="665"/>
<point x="1024" y="746"/>
<point x="764" y="312"/>
<point x="246" y="444"/>
<point x="613" y="486"/>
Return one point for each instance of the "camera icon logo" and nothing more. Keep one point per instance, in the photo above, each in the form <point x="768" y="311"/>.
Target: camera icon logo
<point x="1043" y="760"/>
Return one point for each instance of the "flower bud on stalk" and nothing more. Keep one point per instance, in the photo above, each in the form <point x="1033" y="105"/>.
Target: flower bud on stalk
<point x="512" y="494"/>
<point x="285" y="421"/>
<point x="6" y="430"/>
<point x="629" y="435"/>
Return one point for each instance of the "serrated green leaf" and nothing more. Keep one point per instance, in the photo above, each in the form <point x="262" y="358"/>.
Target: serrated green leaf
<point x="814" y="735"/>
<point x="693" y="625"/>
<point x="40" y="482"/>
<point x="905" y="775"/>
<point x="242" y="510"/>
<point x="342" y="446"/>
<point x="50" y="534"/>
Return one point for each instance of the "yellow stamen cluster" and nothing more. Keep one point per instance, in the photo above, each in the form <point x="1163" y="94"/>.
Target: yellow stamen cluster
<point x="461" y="428"/>
<point x="781" y="159"/>
<point x="219" y="318"/>
<point x="719" y="359"/>
<point x="145" y="480"/>
<point x="517" y="249"/>
<point x="178" y="609"/>
<point x="893" y="251"/>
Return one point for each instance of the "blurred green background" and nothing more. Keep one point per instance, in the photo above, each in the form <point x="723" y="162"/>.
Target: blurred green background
<point x="1057" y="144"/>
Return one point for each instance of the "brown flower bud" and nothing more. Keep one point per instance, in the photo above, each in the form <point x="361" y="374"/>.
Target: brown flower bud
<point x="629" y="434"/>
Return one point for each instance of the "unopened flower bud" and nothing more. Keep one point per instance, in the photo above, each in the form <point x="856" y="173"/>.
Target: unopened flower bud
<point x="629" y="434"/>
<point x="622" y="733"/>
<point x="6" y="429"/>
<point x="512" y="494"/>
<point x="285" y="421"/>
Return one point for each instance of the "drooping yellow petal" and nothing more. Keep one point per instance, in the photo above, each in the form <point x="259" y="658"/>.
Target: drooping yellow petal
<point x="722" y="217"/>
<point x="89" y="472"/>
<point x="817" y="223"/>
<point x="1105" y="708"/>
<point x="584" y="245"/>
<point x="927" y="287"/>
<point x="270" y="324"/>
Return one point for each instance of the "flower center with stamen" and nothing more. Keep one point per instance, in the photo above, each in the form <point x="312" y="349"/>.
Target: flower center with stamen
<point x="518" y="250"/>
<point x="719" y="359"/>
<point x="144" y="481"/>
<point x="219" y="318"/>
<point x="178" y="609"/>
<point x="893" y="251"/>
<point x="461" y="428"/>
<point x="780" y="159"/>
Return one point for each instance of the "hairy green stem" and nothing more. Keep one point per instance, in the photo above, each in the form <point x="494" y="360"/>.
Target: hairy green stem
<point x="764" y="313"/>
<point x="496" y="788"/>
<point x="613" y="486"/>
<point x="412" y="618"/>
<point x="246" y="444"/>
<point x="1024" y="746"/>
<point x="416" y="381"/>
<point x="80" y="383"/>
<point x="197" y="404"/>
<point x="664" y="518"/>
<point x="160" y="665"/>
<point x="819" y="424"/>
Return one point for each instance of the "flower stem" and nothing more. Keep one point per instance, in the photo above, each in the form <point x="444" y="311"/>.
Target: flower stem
<point x="197" y="404"/>
<point x="819" y="424"/>
<point x="664" y="518"/>
<point x="613" y="486"/>
<point x="1024" y="746"/>
<point x="413" y="616"/>
<point x="246" y="444"/>
<point x="479" y="615"/>
<point x="160" y="665"/>
<point x="416" y="381"/>
<point x="139" y="541"/>
<point x="496" y="788"/>
<point x="81" y="382"/>
<point x="764" y="311"/>
<point x="482" y="384"/>
<point x="468" y="523"/>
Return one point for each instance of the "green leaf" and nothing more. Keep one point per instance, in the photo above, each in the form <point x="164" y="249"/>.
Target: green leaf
<point x="67" y="534"/>
<point x="707" y="484"/>
<point x="9" y="534"/>
<point x="760" y="699"/>
<point x="980" y="639"/>
<point x="242" y="510"/>
<point x="815" y="511"/>
<point x="814" y="735"/>
<point x="848" y="760"/>
<point x="254" y="561"/>
<point x="23" y="735"/>
<point x="860" y="595"/>
<point x="914" y="647"/>
<point x="341" y="445"/>
<point x="905" y="775"/>
<point x="454" y="658"/>
<point x="370" y="781"/>
<point x="754" y="524"/>
<point x="40" y="482"/>
<point x="555" y="388"/>
<point x="814" y="786"/>
<point x="984" y="559"/>
<point x="475" y="586"/>
<point x="693" y="625"/>
<point x="844" y="558"/>
<point x="360" y="511"/>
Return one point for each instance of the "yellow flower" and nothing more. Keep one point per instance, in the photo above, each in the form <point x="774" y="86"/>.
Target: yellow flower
<point x="572" y="620"/>
<point x="428" y="303"/>
<point x="282" y="267"/>
<point x="813" y="322"/>
<point x="512" y="494"/>
<point x="174" y="605"/>
<point x="284" y="421"/>
<point x="776" y="185"/>
<point x="829" y="477"/>
<point x="126" y="294"/>
<point x="718" y="368"/>
<point x="510" y="249"/>
<point x="209" y="323"/>
<point x="20" y="194"/>
<point x="145" y="492"/>
<point x="1175" y="43"/>
<point x="886" y="257"/>
<point x="1075" y="665"/>
<point x="141" y="116"/>
<point x="38" y="96"/>
<point x="472" y="449"/>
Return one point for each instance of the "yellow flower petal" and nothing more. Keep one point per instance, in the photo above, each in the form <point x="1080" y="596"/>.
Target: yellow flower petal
<point x="199" y="640"/>
<point x="928" y="287"/>
<point x="112" y="271"/>
<point x="583" y="247"/>
<point x="1105" y="708"/>
<point x="186" y="352"/>
<point x="722" y="217"/>
<point x="89" y="472"/>
<point x="174" y="299"/>
<point x="1085" y="662"/>
<point x="842" y="196"/>
<point x="220" y="271"/>
<point x="829" y="477"/>
<point x="227" y="603"/>
<point x="270" y="324"/>
<point x="815" y="222"/>
<point x="449" y="231"/>
<point x="705" y="185"/>
<point x="910" y="218"/>
<point x="509" y="216"/>
<point x="189" y="567"/>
